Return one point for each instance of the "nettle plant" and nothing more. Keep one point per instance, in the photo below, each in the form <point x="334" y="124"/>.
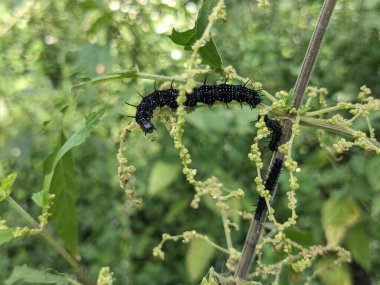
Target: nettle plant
<point x="285" y="107"/>
<point x="278" y="122"/>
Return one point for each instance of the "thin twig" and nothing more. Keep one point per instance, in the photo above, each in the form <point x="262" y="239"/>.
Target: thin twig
<point x="249" y="249"/>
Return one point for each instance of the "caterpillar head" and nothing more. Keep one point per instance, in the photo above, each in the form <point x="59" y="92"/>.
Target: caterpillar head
<point x="147" y="126"/>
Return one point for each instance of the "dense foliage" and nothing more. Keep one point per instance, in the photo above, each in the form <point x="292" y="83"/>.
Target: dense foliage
<point x="47" y="46"/>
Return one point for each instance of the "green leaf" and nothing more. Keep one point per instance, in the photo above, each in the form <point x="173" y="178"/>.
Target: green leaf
<point x="358" y="163"/>
<point x="76" y="139"/>
<point x="5" y="235"/>
<point x="198" y="258"/>
<point x="358" y="243"/>
<point x="25" y="274"/>
<point x="64" y="186"/>
<point x="220" y="124"/>
<point x="93" y="56"/>
<point x="125" y="73"/>
<point x="183" y="38"/>
<point x="337" y="216"/>
<point x="40" y="198"/>
<point x="375" y="206"/>
<point x="209" y="52"/>
<point x="162" y="175"/>
<point x="372" y="168"/>
<point x="210" y="55"/>
<point x="6" y="186"/>
<point x="304" y="238"/>
<point x="333" y="274"/>
<point x="204" y="12"/>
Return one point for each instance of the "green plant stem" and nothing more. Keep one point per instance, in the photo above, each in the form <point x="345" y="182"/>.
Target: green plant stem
<point x="23" y="213"/>
<point x="252" y="238"/>
<point x="323" y="111"/>
<point x="160" y="77"/>
<point x="342" y="130"/>
<point x="227" y="230"/>
<point x="309" y="121"/>
<point x="55" y="244"/>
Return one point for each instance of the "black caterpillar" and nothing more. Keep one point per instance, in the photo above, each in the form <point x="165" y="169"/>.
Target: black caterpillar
<point x="269" y="184"/>
<point x="275" y="127"/>
<point x="206" y="94"/>
<point x="209" y="94"/>
<point x="274" y="173"/>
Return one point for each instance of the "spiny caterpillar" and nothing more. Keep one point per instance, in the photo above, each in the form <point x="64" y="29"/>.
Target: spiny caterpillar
<point x="206" y="94"/>
<point x="275" y="128"/>
<point x="269" y="184"/>
<point x="209" y="94"/>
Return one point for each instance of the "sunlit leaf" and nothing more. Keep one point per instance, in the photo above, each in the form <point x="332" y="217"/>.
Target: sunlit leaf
<point x="198" y="257"/>
<point x="337" y="216"/>
<point x="162" y="175"/>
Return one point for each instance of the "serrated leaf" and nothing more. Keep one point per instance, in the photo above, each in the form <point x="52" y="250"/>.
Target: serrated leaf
<point x="162" y="175"/>
<point x="76" y="139"/>
<point x="6" y="186"/>
<point x="210" y="55"/>
<point x="333" y="274"/>
<point x="198" y="258"/>
<point x="337" y="216"/>
<point x="25" y="274"/>
<point x="125" y="73"/>
<point x="64" y="211"/>
<point x="204" y="12"/>
<point x="183" y="38"/>
<point x="209" y="52"/>
<point x="358" y="244"/>
<point x="5" y="235"/>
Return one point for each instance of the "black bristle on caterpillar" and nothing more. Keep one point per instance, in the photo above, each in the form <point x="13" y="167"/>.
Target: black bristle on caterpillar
<point x="269" y="184"/>
<point x="207" y="94"/>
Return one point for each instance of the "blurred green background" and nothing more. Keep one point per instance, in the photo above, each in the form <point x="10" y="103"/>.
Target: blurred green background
<point x="47" y="46"/>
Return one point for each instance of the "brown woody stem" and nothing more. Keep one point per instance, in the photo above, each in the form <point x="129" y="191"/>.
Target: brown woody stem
<point x="255" y="229"/>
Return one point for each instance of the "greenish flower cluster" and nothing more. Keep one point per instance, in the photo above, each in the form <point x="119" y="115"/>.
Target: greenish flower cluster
<point x="343" y="124"/>
<point x="124" y="170"/>
<point x="105" y="277"/>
